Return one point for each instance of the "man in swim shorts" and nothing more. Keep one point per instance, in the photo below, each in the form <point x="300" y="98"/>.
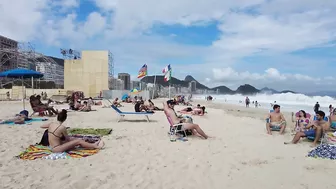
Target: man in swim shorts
<point x="314" y="129"/>
<point x="171" y="114"/>
<point x="276" y="121"/>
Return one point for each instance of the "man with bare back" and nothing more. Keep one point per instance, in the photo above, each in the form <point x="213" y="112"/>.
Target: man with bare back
<point x="314" y="129"/>
<point x="276" y="121"/>
<point x="169" y="111"/>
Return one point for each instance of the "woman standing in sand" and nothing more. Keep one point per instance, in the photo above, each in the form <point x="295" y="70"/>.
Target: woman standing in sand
<point x="58" y="138"/>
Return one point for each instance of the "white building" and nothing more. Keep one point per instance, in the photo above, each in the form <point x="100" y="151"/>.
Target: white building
<point x="53" y="70"/>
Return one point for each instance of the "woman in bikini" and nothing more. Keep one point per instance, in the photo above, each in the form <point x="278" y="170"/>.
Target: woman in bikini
<point x="58" y="138"/>
<point x="332" y="120"/>
<point x="301" y="122"/>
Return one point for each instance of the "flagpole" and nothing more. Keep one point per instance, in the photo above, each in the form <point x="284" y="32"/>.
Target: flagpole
<point x="154" y="86"/>
<point x="169" y="91"/>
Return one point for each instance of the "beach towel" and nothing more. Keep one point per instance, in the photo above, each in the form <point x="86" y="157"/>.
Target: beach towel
<point x="90" y="131"/>
<point x="44" y="152"/>
<point x="325" y="151"/>
<point x="330" y="138"/>
<point x="27" y="122"/>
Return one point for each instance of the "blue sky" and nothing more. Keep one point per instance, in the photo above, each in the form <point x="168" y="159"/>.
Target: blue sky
<point x="277" y="43"/>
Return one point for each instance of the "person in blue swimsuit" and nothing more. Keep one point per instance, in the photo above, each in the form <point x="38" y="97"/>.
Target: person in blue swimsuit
<point x="315" y="129"/>
<point x="332" y="120"/>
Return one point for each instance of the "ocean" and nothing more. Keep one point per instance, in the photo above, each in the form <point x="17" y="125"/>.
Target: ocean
<point x="288" y="101"/>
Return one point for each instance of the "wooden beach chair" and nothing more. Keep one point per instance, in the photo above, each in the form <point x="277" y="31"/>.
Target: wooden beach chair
<point x="122" y="114"/>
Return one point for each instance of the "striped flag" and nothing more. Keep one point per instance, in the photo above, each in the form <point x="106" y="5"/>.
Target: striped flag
<point x="167" y="73"/>
<point x="166" y="69"/>
<point x="142" y="71"/>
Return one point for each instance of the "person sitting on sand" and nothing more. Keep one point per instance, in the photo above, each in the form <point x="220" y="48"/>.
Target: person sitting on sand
<point x="315" y="129"/>
<point x="141" y="107"/>
<point x="332" y="120"/>
<point x="116" y="102"/>
<point x="171" y="114"/>
<point x="37" y="104"/>
<point x="18" y="119"/>
<point x="85" y="107"/>
<point x="301" y="121"/>
<point x="276" y="120"/>
<point x="152" y="106"/>
<point x="58" y="138"/>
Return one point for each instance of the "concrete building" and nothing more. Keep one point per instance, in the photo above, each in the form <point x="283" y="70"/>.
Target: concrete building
<point x="8" y="58"/>
<point x="52" y="70"/>
<point x="192" y="86"/>
<point x="126" y="78"/>
<point x="88" y="74"/>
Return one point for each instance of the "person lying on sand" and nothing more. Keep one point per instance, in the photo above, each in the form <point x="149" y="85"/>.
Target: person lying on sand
<point x="169" y="111"/>
<point x="18" y="119"/>
<point x="315" y="129"/>
<point x="276" y="120"/>
<point x="116" y="102"/>
<point x="194" y="111"/>
<point x="58" y="138"/>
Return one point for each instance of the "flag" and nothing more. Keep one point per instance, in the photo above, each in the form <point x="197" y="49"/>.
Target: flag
<point x="167" y="75"/>
<point x="166" y="69"/>
<point x="142" y="71"/>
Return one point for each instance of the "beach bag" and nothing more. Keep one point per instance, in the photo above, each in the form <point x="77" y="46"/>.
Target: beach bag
<point x="45" y="139"/>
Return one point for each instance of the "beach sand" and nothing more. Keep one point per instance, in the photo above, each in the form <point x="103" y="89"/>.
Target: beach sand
<point x="140" y="155"/>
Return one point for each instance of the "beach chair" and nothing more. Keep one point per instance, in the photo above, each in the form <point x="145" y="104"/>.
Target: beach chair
<point x="173" y="129"/>
<point x="122" y="114"/>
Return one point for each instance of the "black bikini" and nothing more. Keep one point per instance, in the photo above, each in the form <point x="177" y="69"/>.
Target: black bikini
<point x="62" y="138"/>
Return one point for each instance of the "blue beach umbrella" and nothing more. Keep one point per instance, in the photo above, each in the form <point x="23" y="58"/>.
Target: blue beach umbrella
<point x="21" y="74"/>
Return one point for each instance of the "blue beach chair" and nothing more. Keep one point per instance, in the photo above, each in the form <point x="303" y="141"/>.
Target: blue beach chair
<point x="122" y="114"/>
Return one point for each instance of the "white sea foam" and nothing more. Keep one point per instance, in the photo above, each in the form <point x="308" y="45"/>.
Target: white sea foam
<point x="287" y="101"/>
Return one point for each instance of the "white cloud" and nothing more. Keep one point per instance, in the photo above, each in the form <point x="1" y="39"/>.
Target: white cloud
<point x="271" y="78"/>
<point x="276" y="28"/>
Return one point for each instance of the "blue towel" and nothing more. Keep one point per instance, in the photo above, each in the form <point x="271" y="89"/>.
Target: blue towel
<point x="27" y="122"/>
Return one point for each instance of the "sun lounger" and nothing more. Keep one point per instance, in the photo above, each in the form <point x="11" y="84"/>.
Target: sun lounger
<point x="122" y="114"/>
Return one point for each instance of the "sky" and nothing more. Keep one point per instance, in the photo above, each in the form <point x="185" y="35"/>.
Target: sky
<point x="280" y="44"/>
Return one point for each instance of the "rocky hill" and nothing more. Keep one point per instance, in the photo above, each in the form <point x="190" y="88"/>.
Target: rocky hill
<point x="243" y="89"/>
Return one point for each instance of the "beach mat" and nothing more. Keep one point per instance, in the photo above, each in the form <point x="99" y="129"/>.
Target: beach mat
<point x="27" y="122"/>
<point x="34" y="152"/>
<point x="89" y="131"/>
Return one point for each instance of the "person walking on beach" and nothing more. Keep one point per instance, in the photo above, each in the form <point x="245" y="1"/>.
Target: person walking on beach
<point x="247" y="102"/>
<point x="316" y="107"/>
<point x="276" y="120"/>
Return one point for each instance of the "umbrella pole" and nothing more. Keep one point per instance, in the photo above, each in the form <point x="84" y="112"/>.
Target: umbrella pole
<point x="23" y="96"/>
<point x="32" y="80"/>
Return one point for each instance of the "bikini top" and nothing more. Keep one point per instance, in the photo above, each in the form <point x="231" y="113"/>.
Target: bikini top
<point x="53" y="133"/>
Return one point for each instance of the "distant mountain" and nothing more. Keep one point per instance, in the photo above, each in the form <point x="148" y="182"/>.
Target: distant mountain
<point x="247" y="89"/>
<point x="287" y="91"/>
<point x="223" y="90"/>
<point x="174" y="81"/>
<point x="243" y="89"/>
<point x="268" y="90"/>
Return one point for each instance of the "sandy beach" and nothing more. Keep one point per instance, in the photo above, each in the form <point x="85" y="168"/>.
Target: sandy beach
<point x="140" y="155"/>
